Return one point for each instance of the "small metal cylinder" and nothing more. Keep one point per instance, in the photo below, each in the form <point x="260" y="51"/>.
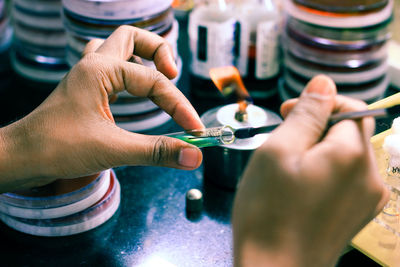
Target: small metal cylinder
<point x="194" y="200"/>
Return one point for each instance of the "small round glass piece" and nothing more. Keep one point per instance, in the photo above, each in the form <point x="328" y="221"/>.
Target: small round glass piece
<point x="227" y="135"/>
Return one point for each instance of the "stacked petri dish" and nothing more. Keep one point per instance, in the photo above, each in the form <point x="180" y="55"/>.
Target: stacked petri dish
<point x="346" y="40"/>
<point x="85" y="20"/>
<point x="39" y="42"/>
<point x="5" y="42"/>
<point x="64" y="207"/>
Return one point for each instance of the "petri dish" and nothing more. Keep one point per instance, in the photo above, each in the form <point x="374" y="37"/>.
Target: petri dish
<point x="158" y="23"/>
<point x="116" y="9"/>
<point x="40" y="37"/>
<point x="59" y="193"/>
<point x="37" y="20"/>
<point x="344" y="6"/>
<point x="328" y="57"/>
<point x="82" y="221"/>
<point x="334" y="20"/>
<point x="292" y="88"/>
<point x="62" y="211"/>
<point x="39" y="6"/>
<point x="338" y="38"/>
<point x="308" y="70"/>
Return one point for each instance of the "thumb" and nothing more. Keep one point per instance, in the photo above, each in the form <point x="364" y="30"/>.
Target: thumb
<point x="306" y="123"/>
<point x="137" y="149"/>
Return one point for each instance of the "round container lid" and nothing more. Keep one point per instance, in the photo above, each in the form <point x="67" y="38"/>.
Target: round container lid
<point x="308" y="70"/>
<point x="356" y="21"/>
<point x="116" y="9"/>
<point x="82" y="221"/>
<point x="344" y="6"/>
<point x="61" y="211"/>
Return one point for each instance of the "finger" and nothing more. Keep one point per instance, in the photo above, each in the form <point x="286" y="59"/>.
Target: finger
<point x="127" y="40"/>
<point x="349" y="139"/>
<point x="346" y="104"/>
<point x="136" y="59"/>
<point x="92" y="46"/>
<point x="128" y="148"/>
<point x="383" y="201"/>
<point x="305" y="125"/>
<point x="146" y="82"/>
<point x="288" y="106"/>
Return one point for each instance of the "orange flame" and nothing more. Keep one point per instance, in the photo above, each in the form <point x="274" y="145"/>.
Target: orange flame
<point x="228" y="81"/>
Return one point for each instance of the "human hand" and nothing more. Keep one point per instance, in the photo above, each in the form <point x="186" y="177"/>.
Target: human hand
<point x="73" y="132"/>
<point x="304" y="194"/>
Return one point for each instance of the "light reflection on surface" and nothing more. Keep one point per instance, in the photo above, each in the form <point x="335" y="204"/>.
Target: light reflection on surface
<point x="156" y="261"/>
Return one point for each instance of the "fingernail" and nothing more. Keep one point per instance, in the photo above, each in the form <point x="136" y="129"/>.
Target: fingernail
<point x="189" y="157"/>
<point x="320" y="86"/>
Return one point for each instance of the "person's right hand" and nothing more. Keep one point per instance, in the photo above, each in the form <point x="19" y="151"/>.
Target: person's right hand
<point x="306" y="192"/>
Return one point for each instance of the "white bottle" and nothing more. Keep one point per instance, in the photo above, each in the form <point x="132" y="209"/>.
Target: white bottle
<point x="212" y="29"/>
<point x="260" y="24"/>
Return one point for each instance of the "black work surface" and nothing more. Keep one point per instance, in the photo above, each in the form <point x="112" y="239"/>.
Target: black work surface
<point x="151" y="227"/>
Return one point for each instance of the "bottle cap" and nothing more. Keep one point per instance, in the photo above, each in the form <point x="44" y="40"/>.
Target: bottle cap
<point x="194" y="200"/>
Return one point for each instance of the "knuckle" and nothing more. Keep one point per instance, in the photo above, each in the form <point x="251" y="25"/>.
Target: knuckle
<point x="93" y="42"/>
<point x="89" y="62"/>
<point x="356" y="152"/>
<point x="158" y="77"/>
<point x="160" y="151"/>
<point x="350" y="155"/>
<point x="272" y="149"/>
<point x="310" y="118"/>
<point x="359" y="105"/>
<point x="275" y="153"/>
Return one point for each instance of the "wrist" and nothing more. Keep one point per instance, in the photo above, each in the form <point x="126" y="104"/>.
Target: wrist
<point x="254" y="255"/>
<point x="19" y="165"/>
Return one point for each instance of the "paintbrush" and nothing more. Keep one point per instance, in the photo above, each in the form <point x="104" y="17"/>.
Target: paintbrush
<point x="355" y="115"/>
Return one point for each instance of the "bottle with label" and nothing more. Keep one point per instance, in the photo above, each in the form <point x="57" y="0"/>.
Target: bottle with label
<point x="244" y="34"/>
<point x="213" y="38"/>
<point x="259" y="61"/>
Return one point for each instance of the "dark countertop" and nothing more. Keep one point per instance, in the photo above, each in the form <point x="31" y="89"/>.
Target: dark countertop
<point x="151" y="227"/>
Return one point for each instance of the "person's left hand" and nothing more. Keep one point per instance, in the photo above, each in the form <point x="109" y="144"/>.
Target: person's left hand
<point x="73" y="132"/>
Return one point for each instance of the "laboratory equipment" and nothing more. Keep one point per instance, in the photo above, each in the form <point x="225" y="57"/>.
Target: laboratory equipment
<point x="328" y="38"/>
<point x="64" y="207"/>
<point x="207" y="137"/>
<point x="39" y="41"/>
<point x="224" y="164"/>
